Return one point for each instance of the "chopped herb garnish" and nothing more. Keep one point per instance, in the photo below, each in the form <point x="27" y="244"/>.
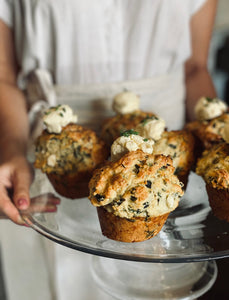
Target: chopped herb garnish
<point x="215" y="160"/>
<point x="127" y="133"/>
<point x="209" y="99"/>
<point x="172" y="146"/>
<point x="131" y="220"/>
<point x="136" y="170"/>
<point x="178" y="170"/>
<point x="148" y="119"/>
<point x="145" y="204"/>
<point x="149" y="184"/>
<point x="99" y="197"/>
<point x="61" y="115"/>
<point x="149" y="233"/>
<point x="120" y="201"/>
<point x="145" y="140"/>
<point x="87" y="154"/>
<point x="133" y="190"/>
<point x="163" y="167"/>
<point x="47" y="112"/>
<point x="133" y="198"/>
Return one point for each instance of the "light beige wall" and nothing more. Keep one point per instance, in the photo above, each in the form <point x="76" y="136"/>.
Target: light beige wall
<point x="222" y="16"/>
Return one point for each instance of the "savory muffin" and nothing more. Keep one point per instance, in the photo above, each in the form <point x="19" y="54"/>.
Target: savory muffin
<point x="134" y="195"/>
<point x="211" y="115"/>
<point x="213" y="166"/>
<point x="128" y="116"/>
<point x="68" y="154"/>
<point x="179" y="145"/>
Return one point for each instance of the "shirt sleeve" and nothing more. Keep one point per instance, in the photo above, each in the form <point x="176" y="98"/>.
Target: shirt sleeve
<point x="6" y="12"/>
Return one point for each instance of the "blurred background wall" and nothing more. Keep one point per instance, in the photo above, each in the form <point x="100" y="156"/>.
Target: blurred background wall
<point x="219" y="51"/>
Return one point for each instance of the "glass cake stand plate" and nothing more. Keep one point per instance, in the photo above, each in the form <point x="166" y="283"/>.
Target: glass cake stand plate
<point x="178" y="263"/>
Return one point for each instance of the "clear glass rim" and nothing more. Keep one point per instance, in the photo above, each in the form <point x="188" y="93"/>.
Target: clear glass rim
<point x="58" y="238"/>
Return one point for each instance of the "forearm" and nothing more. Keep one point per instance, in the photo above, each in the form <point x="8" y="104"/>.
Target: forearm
<point x="13" y="121"/>
<point x="198" y="83"/>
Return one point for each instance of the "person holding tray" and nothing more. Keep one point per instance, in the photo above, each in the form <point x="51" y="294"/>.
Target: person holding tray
<point x="158" y="48"/>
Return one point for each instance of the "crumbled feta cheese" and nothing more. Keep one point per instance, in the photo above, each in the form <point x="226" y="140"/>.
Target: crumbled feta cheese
<point x="55" y="118"/>
<point x="51" y="161"/>
<point x="125" y="144"/>
<point x="125" y="102"/>
<point x="170" y="201"/>
<point x="151" y="128"/>
<point x="225" y="133"/>
<point x="207" y="108"/>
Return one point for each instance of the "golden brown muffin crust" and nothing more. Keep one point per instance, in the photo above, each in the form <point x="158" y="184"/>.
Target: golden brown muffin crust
<point x="213" y="166"/>
<point x="179" y="144"/>
<point x="209" y="132"/>
<point x="77" y="149"/>
<point x="135" y="185"/>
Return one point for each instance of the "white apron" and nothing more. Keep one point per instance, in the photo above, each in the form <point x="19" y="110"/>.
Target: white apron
<point x="36" y="268"/>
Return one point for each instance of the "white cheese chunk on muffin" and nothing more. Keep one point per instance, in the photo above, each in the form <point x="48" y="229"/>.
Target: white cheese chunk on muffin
<point x="55" y="118"/>
<point x="125" y="102"/>
<point x="151" y="128"/>
<point x="130" y="141"/>
<point x="209" y="108"/>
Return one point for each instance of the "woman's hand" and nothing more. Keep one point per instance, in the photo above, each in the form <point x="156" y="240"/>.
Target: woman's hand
<point x="15" y="179"/>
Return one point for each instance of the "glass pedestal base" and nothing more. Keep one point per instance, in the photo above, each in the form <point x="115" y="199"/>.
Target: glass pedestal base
<point x="146" y="281"/>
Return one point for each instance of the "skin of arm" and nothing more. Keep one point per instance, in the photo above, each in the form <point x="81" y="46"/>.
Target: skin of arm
<point x="197" y="78"/>
<point x="15" y="173"/>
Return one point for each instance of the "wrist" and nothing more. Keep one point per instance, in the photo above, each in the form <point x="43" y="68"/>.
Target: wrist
<point x="12" y="149"/>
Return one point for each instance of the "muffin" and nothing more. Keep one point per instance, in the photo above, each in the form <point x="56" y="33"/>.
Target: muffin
<point x="128" y="116"/>
<point x="68" y="154"/>
<point x="211" y="115"/>
<point x="213" y="166"/>
<point x="134" y="195"/>
<point x="179" y="145"/>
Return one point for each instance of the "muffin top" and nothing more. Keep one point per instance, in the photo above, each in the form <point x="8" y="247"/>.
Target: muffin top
<point x="74" y="149"/>
<point x="213" y="166"/>
<point x="180" y="146"/>
<point x="209" y="131"/>
<point x="113" y="126"/>
<point x="137" y="185"/>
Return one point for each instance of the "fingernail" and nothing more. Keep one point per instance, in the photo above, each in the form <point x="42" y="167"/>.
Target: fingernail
<point x="22" y="203"/>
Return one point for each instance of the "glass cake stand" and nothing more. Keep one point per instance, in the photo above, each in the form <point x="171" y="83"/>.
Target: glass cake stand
<point x="178" y="263"/>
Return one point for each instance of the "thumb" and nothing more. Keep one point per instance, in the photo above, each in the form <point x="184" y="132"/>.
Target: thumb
<point x="21" y="183"/>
